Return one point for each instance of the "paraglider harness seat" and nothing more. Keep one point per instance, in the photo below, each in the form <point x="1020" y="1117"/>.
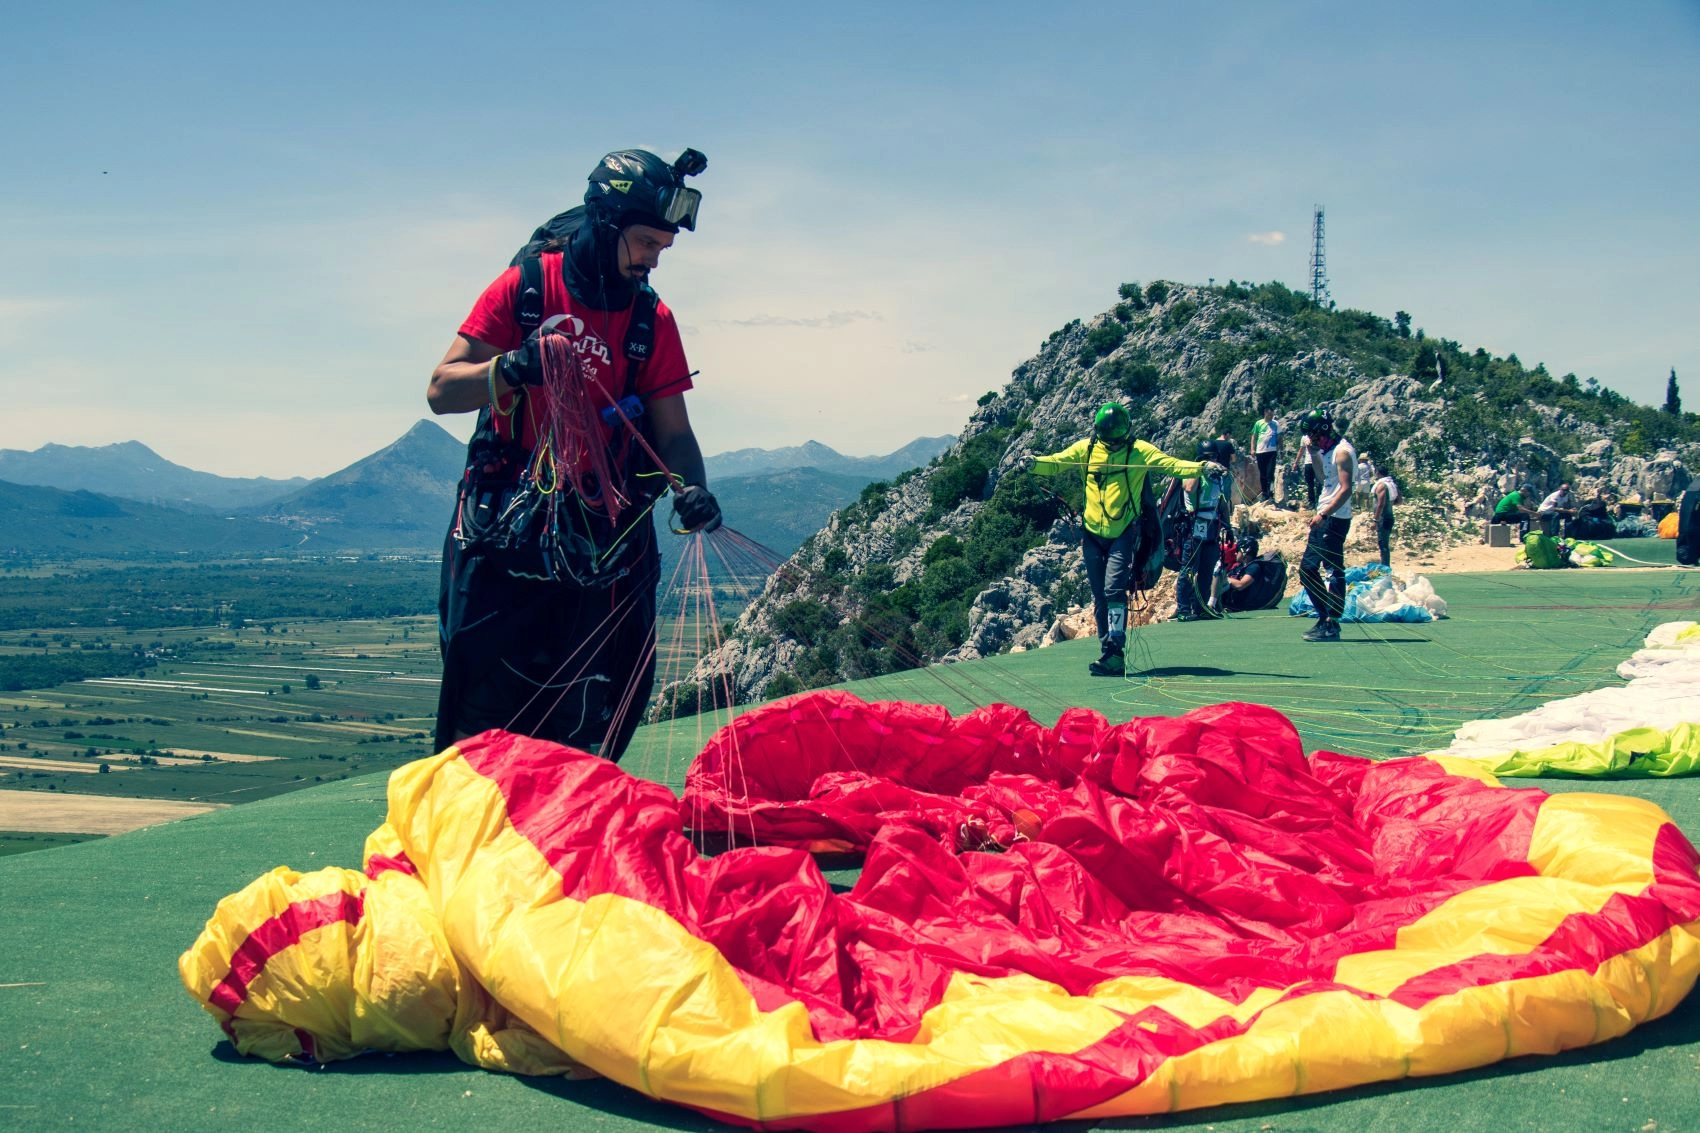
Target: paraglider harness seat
<point x="1267" y="589"/>
<point x="1688" y="529"/>
<point x="504" y="514"/>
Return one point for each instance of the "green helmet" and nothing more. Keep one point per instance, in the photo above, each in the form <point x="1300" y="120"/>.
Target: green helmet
<point x="1317" y="421"/>
<point x="1112" y="422"/>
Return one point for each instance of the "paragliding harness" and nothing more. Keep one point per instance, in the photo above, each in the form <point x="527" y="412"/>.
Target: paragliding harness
<point x="1266" y="592"/>
<point x="522" y="521"/>
<point x="1593" y="522"/>
<point x="1688" y="528"/>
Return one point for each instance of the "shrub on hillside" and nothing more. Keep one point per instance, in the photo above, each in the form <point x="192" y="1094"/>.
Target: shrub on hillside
<point x="805" y="620"/>
<point x="1100" y="340"/>
<point x="1135" y="377"/>
<point x="961" y="473"/>
<point x="1179" y="314"/>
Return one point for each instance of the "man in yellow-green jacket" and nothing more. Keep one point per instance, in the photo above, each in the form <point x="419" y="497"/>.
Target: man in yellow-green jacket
<point x="1114" y="465"/>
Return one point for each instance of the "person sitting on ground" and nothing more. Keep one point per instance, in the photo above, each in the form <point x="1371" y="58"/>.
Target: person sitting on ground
<point x="1384" y="493"/>
<point x="1515" y="507"/>
<point x="1557" y="510"/>
<point x="1114" y="465"/>
<point x="1254" y="582"/>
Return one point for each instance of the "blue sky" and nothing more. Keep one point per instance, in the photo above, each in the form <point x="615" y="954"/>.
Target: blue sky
<point x="243" y="234"/>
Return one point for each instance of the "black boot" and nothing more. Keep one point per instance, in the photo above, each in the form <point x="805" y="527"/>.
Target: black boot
<point x="1325" y="629"/>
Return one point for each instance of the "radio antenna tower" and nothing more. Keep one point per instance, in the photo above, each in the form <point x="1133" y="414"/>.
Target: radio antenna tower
<point x="1318" y="269"/>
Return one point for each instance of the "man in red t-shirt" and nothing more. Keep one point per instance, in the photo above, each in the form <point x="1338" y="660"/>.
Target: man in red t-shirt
<point x="543" y="656"/>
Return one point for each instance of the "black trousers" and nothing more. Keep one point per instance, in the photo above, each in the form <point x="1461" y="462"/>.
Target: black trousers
<point x="1326" y="548"/>
<point x="546" y="659"/>
<point x="1199" y="556"/>
<point x="1520" y="518"/>
<point x="1384" y="536"/>
<point x="1266" y="473"/>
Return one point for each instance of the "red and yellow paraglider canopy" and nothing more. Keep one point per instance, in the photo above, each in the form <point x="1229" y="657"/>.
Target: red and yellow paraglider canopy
<point x="1074" y="921"/>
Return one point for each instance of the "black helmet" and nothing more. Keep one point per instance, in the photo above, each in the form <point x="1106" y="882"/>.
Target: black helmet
<point x="634" y="186"/>
<point x="1246" y="547"/>
<point x="1218" y="450"/>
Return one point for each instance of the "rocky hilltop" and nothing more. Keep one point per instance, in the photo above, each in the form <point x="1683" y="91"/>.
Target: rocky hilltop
<point x="971" y="555"/>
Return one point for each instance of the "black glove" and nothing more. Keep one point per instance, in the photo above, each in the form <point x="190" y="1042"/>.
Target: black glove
<point x="523" y="367"/>
<point x="696" y="509"/>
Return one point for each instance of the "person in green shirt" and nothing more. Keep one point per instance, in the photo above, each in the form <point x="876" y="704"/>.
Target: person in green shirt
<point x="1516" y="507"/>
<point x="1114" y="465"/>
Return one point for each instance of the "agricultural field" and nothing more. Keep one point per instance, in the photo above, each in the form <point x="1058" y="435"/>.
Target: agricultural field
<point x="215" y="686"/>
<point x="226" y="715"/>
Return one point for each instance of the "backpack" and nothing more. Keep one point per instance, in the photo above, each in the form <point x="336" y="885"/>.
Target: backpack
<point x="1175" y="522"/>
<point x="524" y="527"/>
<point x="1150" y="552"/>
<point x="528" y="309"/>
<point x="1593" y="522"/>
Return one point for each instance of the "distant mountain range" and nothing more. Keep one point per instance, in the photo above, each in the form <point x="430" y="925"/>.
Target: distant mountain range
<point x="813" y="454"/>
<point x="125" y="499"/>
<point x="134" y="471"/>
<point x="49" y="521"/>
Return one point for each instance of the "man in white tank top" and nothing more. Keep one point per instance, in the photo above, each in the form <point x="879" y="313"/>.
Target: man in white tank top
<point x="1384" y="494"/>
<point x="1335" y="462"/>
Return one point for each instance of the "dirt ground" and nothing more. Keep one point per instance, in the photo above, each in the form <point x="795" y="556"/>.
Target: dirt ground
<point x="1286" y="531"/>
<point x="43" y="812"/>
<point x="1456" y="560"/>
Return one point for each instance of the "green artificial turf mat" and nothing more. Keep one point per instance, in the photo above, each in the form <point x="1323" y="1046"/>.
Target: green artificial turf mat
<point x="98" y="1033"/>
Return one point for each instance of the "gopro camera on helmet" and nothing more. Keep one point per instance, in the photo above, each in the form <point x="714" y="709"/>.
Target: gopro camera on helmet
<point x="689" y="164"/>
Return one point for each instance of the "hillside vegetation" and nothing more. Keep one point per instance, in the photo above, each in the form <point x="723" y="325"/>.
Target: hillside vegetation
<point x="967" y="556"/>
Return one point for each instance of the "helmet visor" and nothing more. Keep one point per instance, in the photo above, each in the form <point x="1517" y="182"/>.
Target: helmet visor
<point x="679" y="206"/>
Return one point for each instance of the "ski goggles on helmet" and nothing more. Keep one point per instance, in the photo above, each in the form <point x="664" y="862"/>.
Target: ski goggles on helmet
<point x="678" y="206"/>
